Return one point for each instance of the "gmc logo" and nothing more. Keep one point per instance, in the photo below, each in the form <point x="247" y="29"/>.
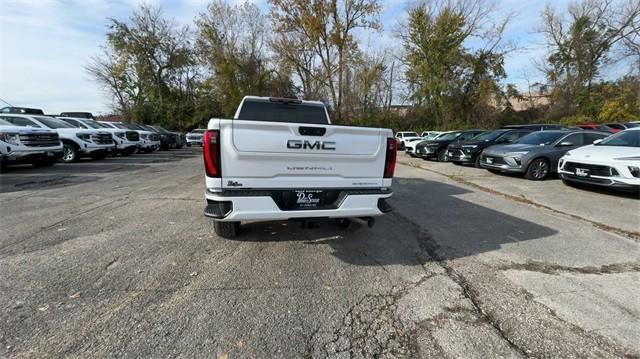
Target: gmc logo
<point x="311" y="145"/>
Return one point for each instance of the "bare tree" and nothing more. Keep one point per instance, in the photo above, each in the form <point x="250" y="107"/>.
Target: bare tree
<point x="317" y="38"/>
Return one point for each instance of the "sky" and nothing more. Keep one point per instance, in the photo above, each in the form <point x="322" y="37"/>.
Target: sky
<point x="46" y="44"/>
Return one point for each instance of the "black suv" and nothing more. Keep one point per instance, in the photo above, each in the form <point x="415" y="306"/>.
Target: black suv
<point x="438" y="148"/>
<point x="168" y="140"/>
<point x="469" y="151"/>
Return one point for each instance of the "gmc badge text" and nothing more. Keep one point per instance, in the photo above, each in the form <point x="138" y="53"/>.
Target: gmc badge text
<point x="311" y="145"/>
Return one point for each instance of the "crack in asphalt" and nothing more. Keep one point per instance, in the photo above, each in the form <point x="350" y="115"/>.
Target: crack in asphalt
<point x="550" y="268"/>
<point x="370" y="328"/>
<point x="428" y="244"/>
<point x="433" y="249"/>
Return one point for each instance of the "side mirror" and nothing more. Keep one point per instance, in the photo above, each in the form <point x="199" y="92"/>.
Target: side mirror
<point x="565" y="144"/>
<point x="597" y="141"/>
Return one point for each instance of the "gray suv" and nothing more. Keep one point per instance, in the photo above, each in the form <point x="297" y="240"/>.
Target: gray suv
<point x="536" y="155"/>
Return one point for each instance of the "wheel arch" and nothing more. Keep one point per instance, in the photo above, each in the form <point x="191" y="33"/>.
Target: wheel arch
<point x="70" y="142"/>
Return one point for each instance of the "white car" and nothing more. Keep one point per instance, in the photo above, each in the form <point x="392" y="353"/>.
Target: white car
<point x="76" y="142"/>
<point x="612" y="162"/>
<point x="280" y="159"/>
<point x="38" y="147"/>
<point x="410" y="147"/>
<point x="195" y="137"/>
<point x="403" y="138"/>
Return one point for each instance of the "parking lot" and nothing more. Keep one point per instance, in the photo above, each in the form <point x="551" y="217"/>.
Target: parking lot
<point x="114" y="258"/>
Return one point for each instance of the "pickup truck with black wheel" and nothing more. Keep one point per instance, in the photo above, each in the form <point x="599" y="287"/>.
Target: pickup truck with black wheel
<point x="281" y="159"/>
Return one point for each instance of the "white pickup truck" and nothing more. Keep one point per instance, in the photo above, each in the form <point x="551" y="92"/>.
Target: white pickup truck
<point x="281" y="159"/>
<point x="40" y="147"/>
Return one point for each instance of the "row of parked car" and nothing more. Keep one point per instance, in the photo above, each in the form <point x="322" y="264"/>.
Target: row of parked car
<point x="30" y="136"/>
<point x="600" y="156"/>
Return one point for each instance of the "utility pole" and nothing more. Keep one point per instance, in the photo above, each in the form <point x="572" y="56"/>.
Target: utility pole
<point x="390" y="85"/>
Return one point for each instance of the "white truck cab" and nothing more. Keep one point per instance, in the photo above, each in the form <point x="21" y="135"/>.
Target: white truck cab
<point x="76" y="142"/>
<point x="280" y="159"/>
<point x="38" y="147"/>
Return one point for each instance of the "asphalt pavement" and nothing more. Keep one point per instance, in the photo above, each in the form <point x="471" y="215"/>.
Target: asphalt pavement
<point x="115" y="259"/>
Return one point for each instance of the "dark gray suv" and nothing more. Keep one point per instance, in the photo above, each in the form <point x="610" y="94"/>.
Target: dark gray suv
<point x="536" y="155"/>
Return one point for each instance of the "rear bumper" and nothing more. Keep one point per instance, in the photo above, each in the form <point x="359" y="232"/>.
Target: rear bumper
<point x="261" y="206"/>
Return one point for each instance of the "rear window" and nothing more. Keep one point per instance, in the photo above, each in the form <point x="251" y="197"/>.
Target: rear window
<point x="280" y="112"/>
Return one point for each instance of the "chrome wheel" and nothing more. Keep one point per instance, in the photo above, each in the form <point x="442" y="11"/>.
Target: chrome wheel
<point x="68" y="153"/>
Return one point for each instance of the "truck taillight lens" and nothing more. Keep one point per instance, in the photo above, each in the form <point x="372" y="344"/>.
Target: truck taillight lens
<point x="390" y="160"/>
<point x="211" y="153"/>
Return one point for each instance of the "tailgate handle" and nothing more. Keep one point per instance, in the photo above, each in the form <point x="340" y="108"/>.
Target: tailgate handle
<point x="312" y="131"/>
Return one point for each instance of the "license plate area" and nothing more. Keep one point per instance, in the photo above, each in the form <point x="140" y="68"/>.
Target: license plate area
<point x="582" y="172"/>
<point x="306" y="199"/>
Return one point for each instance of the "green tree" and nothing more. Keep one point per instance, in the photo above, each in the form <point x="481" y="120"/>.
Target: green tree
<point x="148" y="66"/>
<point x="581" y="45"/>
<point x="448" y="81"/>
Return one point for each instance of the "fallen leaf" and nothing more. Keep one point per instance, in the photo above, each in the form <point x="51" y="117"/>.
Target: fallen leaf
<point x="193" y="274"/>
<point x="75" y="295"/>
<point x="222" y="356"/>
<point x="44" y="308"/>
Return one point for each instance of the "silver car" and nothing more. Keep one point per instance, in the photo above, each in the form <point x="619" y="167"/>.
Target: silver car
<point x="536" y="155"/>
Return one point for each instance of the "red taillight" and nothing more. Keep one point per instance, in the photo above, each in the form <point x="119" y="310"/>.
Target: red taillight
<point x="211" y="153"/>
<point x="390" y="160"/>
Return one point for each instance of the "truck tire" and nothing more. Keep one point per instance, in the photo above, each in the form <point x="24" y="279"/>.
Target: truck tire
<point x="226" y="229"/>
<point x="476" y="162"/>
<point x="70" y="153"/>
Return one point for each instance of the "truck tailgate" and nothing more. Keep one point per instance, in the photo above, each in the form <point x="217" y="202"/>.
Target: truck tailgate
<point x="259" y="154"/>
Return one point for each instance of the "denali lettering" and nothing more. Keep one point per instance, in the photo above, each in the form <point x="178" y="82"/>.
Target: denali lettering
<point x="311" y="145"/>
